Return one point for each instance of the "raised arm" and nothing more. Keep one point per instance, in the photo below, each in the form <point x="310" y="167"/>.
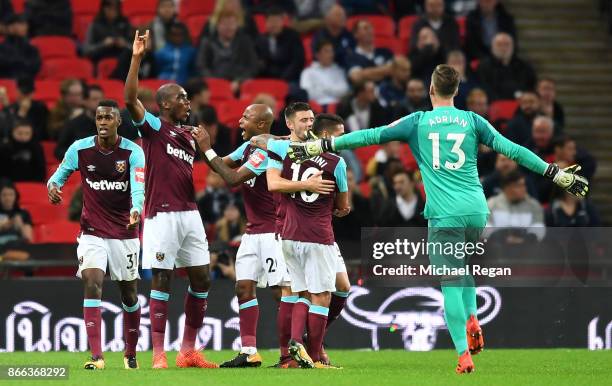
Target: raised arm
<point x="134" y="106"/>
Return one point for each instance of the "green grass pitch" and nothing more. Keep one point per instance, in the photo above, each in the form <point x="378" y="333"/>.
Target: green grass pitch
<point x="363" y="368"/>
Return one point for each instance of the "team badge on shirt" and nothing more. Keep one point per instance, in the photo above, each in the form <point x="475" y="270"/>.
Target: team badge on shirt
<point x="256" y="159"/>
<point x="159" y="256"/>
<point x="192" y="142"/>
<point x="120" y="166"/>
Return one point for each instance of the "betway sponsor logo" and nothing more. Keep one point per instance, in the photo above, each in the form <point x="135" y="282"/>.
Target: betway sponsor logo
<point x="180" y="154"/>
<point x="108" y="185"/>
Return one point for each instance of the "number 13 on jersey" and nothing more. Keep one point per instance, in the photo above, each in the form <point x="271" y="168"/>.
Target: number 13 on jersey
<point x="456" y="149"/>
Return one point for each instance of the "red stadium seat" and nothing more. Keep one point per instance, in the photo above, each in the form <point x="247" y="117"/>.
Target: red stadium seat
<point x="31" y="192"/>
<point x="308" y="55"/>
<point x="51" y="47"/>
<point x="11" y="88"/>
<point x="153" y="84"/>
<point x="364" y="154"/>
<point x="80" y="25"/>
<point x="85" y="7"/>
<point x="195" y="7"/>
<point x="142" y="20"/>
<point x="106" y="67"/>
<point x="220" y="89"/>
<point x="278" y="88"/>
<point x="44" y="212"/>
<point x="405" y="26"/>
<point x="113" y="89"/>
<point x="200" y="171"/>
<point x="49" y="149"/>
<point x="62" y="68"/>
<point x="462" y="27"/>
<point x="317" y="108"/>
<point x="57" y="232"/>
<point x="138" y="7"/>
<point x="195" y="24"/>
<point x="365" y="189"/>
<point x="474" y="64"/>
<point x="230" y="112"/>
<point x="502" y="110"/>
<point x="47" y="91"/>
<point x="18" y="6"/>
<point x="383" y="25"/>
<point x="407" y="158"/>
<point x="397" y="45"/>
<point x="260" y="22"/>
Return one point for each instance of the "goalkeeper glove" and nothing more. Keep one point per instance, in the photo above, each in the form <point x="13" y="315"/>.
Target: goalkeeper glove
<point x="301" y="151"/>
<point x="568" y="179"/>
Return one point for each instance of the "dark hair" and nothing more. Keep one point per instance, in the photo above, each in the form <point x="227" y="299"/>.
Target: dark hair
<point x="208" y="115"/>
<point x="445" y="80"/>
<point x="109" y="103"/>
<point x="295" y="107"/>
<point x="403" y="171"/>
<point x="360" y="86"/>
<point x="182" y="27"/>
<point x="322" y="43"/>
<point x="324" y="121"/>
<point x="547" y="79"/>
<point x="275" y="10"/>
<point x="511" y="178"/>
<point x="356" y="25"/>
<point x="104" y="3"/>
<point x="25" y="84"/>
<point x="195" y="86"/>
<point x="22" y="122"/>
<point x="561" y="140"/>
<point x="7" y="184"/>
<point x="87" y="89"/>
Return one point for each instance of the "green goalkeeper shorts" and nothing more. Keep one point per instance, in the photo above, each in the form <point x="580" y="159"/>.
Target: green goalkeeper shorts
<point x="452" y="240"/>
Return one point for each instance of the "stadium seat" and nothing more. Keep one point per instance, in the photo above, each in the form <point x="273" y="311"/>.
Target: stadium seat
<point x="152" y="84"/>
<point x="366" y="189"/>
<point x="48" y="150"/>
<point x="113" y="89"/>
<point x="308" y="55"/>
<point x="200" y="171"/>
<point x="18" y="6"/>
<point x="142" y="20"/>
<point x="44" y="212"/>
<point x="51" y="47"/>
<point x="364" y="154"/>
<point x="63" y="231"/>
<point x="88" y="7"/>
<point x="407" y="158"/>
<point x="195" y="7"/>
<point x="278" y="88"/>
<point x="405" y="26"/>
<point x="461" y="22"/>
<point x="31" y="192"/>
<point x="230" y="112"/>
<point x="62" y="68"/>
<point x="260" y="22"/>
<point x="502" y="110"/>
<point x="47" y="91"/>
<point x="106" y="67"/>
<point x="383" y="25"/>
<point x="317" y="108"/>
<point x="195" y="24"/>
<point x="220" y="89"/>
<point x="397" y="45"/>
<point x="138" y="7"/>
<point x="11" y="88"/>
<point x="80" y="25"/>
<point x="474" y="64"/>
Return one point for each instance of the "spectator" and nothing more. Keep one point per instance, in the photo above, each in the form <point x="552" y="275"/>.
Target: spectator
<point x="25" y="107"/>
<point x="75" y="207"/>
<point x="540" y="141"/>
<point x="444" y="25"/>
<point x="15" y="223"/>
<point x="365" y="7"/>
<point x="367" y="62"/>
<point x="491" y="184"/>
<point x="349" y="226"/>
<point x="146" y="70"/>
<point x="403" y="8"/>
<point x="199" y="96"/>
<point x="567" y="210"/>
<point x="214" y="199"/>
<point x="18" y="58"/>
<point x="24" y="157"/>
<point x="160" y="26"/>
<point x="456" y="59"/>
<point x="426" y="55"/>
<point x="392" y="91"/>
<point x="231" y="226"/>
<point x="6" y="12"/>
<point x="229" y="53"/>
<point x="547" y="90"/>
<point x="384" y="160"/>
<point x="403" y="210"/>
<point x="335" y="31"/>
<point x="417" y="99"/>
<point x="514" y="208"/>
<point x="127" y="129"/>
<point x="361" y="109"/>
<point x="324" y="81"/>
<point x="69" y="106"/>
<point x="245" y="22"/>
<point x="566" y="153"/>
<point x="175" y="61"/>
<point x="504" y="75"/>
<point x="478" y="102"/>
<point x="519" y="127"/>
<point x="220" y="135"/>
<point x="110" y="32"/>
<point x="280" y="49"/>
<point x="309" y="14"/>
<point x="83" y="125"/>
<point x="482" y="24"/>
<point x="461" y="7"/>
<point x="49" y="17"/>
<point x="222" y="266"/>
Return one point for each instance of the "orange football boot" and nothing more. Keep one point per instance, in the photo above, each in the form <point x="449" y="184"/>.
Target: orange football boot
<point x="474" y="336"/>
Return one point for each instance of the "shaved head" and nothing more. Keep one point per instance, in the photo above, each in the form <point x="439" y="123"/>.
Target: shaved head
<point x="166" y="91"/>
<point x="173" y="102"/>
<point x="262" y="113"/>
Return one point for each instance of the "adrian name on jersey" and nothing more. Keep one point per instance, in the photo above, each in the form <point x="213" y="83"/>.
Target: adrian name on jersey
<point x="180" y="154"/>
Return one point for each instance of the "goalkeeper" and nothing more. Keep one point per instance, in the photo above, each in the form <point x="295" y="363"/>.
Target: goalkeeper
<point x="445" y="142"/>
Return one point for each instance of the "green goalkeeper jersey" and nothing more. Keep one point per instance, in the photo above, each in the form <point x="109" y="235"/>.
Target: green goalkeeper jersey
<point x="444" y="142"/>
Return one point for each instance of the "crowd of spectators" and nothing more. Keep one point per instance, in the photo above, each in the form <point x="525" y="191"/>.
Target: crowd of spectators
<point x="328" y="52"/>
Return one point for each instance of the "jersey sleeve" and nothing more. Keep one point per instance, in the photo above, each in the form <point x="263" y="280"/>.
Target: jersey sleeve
<point x="149" y="124"/>
<point x="137" y="178"/>
<point x="69" y="164"/>
<point x="340" y="175"/>
<point x="399" y="130"/>
<point x="277" y="151"/>
<point x="257" y="162"/>
<point x="236" y="155"/>
<point x="493" y="139"/>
